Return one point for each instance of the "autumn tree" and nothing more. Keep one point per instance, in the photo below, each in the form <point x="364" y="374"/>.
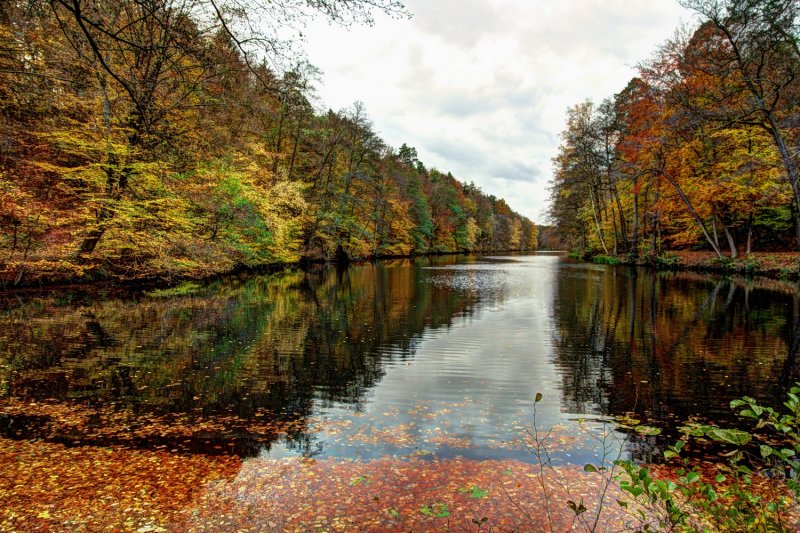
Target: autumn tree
<point x="753" y="50"/>
<point x="154" y="138"/>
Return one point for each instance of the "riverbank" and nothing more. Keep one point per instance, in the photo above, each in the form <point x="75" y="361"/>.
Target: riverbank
<point x="63" y="272"/>
<point x="775" y="265"/>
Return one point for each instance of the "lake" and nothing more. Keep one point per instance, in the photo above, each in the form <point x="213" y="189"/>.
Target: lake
<point x="426" y="362"/>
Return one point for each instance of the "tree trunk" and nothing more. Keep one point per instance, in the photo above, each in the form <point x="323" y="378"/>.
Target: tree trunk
<point x="622" y="224"/>
<point x="294" y="148"/>
<point x="694" y="214"/>
<point x="749" y="234"/>
<point x="104" y="214"/>
<point x="731" y="241"/>
<point x="792" y="173"/>
<point x="597" y="223"/>
<point x="278" y="140"/>
<point x="635" y="231"/>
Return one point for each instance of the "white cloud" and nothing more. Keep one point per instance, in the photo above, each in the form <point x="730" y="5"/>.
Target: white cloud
<point x="481" y="88"/>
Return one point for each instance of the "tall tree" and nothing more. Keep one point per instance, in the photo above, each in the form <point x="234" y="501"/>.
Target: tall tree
<point x="753" y="49"/>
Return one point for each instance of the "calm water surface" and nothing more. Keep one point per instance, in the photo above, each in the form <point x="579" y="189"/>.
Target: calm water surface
<point x="433" y="357"/>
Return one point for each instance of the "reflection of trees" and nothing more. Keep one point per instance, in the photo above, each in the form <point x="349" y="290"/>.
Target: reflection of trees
<point x="667" y="346"/>
<point x="236" y="350"/>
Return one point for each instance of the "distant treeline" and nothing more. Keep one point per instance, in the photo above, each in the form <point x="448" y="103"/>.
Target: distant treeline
<point x="139" y="139"/>
<point x="699" y="151"/>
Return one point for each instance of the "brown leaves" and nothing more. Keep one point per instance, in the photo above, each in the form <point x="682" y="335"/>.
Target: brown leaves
<point x="49" y="487"/>
<point x="387" y="494"/>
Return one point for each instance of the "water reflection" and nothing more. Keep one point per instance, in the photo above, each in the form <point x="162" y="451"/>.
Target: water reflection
<point x="669" y="346"/>
<point x="434" y="356"/>
<point x="235" y="350"/>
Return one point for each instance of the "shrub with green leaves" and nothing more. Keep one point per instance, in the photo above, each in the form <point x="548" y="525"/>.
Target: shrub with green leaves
<point x="755" y="489"/>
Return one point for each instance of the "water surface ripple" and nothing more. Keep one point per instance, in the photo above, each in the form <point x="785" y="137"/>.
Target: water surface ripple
<point x="438" y="357"/>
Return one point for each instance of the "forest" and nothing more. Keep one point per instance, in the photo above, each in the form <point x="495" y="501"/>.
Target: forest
<point x="699" y="151"/>
<point x="150" y="139"/>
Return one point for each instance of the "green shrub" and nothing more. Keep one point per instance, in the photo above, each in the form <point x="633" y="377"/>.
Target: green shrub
<point x="729" y="501"/>
<point x="605" y="260"/>
<point x="667" y="260"/>
<point x="750" y="265"/>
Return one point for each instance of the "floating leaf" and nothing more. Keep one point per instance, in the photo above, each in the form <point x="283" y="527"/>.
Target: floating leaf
<point x="358" y="480"/>
<point x="474" y="492"/>
<point x="439" y="510"/>
<point x="578" y="508"/>
<point x="647" y="430"/>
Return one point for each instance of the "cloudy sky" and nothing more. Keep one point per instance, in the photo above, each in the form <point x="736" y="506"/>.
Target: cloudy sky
<point x="481" y="87"/>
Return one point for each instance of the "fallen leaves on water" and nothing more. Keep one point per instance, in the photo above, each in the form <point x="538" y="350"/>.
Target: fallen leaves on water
<point x="414" y="494"/>
<point x="50" y="487"/>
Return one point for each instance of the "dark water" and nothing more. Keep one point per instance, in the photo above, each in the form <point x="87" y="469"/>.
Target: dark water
<point x="438" y="357"/>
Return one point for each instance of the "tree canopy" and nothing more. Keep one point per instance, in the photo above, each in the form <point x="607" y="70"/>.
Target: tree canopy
<point x="182" y="137"/>
<point x="700" y="150"/>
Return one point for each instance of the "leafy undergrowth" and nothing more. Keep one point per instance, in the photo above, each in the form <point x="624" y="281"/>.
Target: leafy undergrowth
<point x="773" y="264"/>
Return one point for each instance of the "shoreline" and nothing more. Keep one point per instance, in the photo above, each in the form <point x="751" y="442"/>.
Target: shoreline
<point x="784" y="266"/>
<point x="24" y="279"/>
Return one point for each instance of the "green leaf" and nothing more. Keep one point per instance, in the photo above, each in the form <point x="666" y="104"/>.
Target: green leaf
<point x="730" y="436"/>
<point x="765" y="450"/>
<point x="692" y="477"/>
<point x="441" y="510"/>
<point x="474" y="492"/>
<point x="647" y="430"/>
<point x="589" y="468"/>
<point x="538" y="397"/>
